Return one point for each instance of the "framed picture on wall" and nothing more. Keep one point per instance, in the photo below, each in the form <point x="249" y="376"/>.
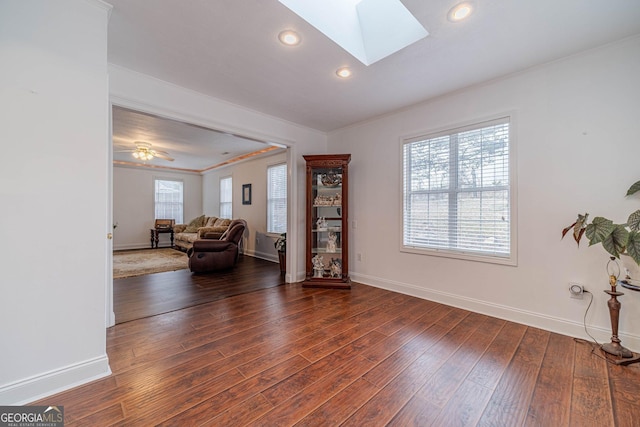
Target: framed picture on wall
<point x="246" y="194"/>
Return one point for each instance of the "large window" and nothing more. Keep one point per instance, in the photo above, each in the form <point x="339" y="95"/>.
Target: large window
<point x="457" y="193"/>
<point x="169" y="199"/>
<point x="226" y="197"/>
<point x="277" y="198"/>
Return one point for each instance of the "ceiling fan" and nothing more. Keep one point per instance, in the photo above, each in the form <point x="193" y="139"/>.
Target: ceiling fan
<point x="144" y="152"/>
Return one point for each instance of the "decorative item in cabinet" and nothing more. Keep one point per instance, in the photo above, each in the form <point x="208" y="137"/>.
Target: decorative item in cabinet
<point x="327" y="248"/>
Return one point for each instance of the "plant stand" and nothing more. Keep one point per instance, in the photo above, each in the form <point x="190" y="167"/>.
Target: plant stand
<point x="282" y="259"/>
<point x="614" y="348"/>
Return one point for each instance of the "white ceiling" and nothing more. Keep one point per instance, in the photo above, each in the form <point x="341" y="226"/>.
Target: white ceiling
<point x="193" y="148"/>
<point x="229" y="49"/>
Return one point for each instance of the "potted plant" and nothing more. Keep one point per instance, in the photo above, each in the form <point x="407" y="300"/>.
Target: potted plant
<point x="616" y="239"/>
<point x="281" y="246"/>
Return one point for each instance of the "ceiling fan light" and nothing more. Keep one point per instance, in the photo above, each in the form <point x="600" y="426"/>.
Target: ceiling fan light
<point x="143" y="154"/>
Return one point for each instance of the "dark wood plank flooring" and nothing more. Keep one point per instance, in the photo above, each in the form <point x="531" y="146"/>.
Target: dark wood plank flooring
<point x="153" y="294"/>
<point x="288" y="355"/>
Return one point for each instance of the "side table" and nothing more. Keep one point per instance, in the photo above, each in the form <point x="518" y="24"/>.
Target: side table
<point x="155" y="234"/>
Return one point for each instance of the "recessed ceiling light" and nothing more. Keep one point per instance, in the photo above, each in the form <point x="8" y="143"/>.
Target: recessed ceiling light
<point x="460" y="12"/>
<point x="289" y="38"/>
<point x="343" y="72"/>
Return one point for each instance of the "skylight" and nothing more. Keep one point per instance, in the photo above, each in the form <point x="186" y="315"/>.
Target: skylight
<point x="368" y="29"/>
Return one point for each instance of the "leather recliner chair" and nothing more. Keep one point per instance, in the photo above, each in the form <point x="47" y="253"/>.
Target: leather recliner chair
<point x="208" y="255"/>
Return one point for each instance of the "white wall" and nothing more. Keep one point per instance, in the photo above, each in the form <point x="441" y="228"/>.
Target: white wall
<point x="144" y="93"/>
<point x="133" y="204"/>
<point x="257" y="242"/>
<point x="577" y="150"/>
<point x="53" y="168"/>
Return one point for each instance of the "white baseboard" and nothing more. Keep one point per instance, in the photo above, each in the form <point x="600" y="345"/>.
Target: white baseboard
<point x="301" y="276"/>
<point x="529" y="318"/>
<point x="49" y="383"/>
<point x="130" y="246"/>
<point x="262" y="255"/>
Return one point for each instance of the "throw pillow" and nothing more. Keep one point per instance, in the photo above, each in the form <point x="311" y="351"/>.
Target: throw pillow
<point x="211" y="221"/>
<point x="222" y="222"/>
<point x="195" y="224"/>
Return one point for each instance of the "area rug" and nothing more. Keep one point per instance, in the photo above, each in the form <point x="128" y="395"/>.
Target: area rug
<point x="146" y="261"/>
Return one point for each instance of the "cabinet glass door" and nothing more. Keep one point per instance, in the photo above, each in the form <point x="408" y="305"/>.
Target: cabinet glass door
<point x="327" y="223"/>
<point x="327" y="251"/>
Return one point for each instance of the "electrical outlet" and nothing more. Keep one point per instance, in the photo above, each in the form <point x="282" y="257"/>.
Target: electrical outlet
<point x="359" y="256"/>
<point x="576" y="290"/>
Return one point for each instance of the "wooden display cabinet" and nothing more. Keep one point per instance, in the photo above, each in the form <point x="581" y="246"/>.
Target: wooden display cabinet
<point x="327" y="248"/>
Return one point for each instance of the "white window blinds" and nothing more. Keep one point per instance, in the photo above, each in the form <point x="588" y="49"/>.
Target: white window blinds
<point x="457" y="194"/>
<point x="169" y="200"/>
<point x="277" y="198"/>
<point x="226" y="197"/>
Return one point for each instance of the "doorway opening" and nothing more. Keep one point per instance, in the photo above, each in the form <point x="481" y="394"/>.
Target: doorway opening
<point x="200" y="155"/>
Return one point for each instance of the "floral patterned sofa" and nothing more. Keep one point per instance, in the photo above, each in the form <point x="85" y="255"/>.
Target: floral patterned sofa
<point x="186" y="234"/>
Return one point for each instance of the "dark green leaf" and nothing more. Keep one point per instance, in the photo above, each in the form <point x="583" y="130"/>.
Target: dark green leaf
<point x="599" y="229"/>
<point x="633" y="246"/>
<point x="616" y="242"/>
<point x="634" y="188"/>
<point x="634" y="221"/>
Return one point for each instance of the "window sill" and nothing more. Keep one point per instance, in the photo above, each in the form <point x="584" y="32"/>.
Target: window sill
<point x="466" y="256"/>
<point x="274" y="235"/>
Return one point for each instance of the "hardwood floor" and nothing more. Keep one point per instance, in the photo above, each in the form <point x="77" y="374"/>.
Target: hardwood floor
<point x="153" y="294"/>
<point x="367" y="357"/>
